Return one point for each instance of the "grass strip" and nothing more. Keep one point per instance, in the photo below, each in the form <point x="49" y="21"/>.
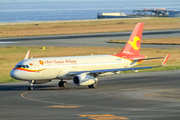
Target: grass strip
<point x="77" y="27"/>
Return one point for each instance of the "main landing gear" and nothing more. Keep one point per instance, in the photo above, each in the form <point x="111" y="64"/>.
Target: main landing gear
<point x="31" y="85"/>
<point x="93" y="85"/>
<point x="62" y="83"/>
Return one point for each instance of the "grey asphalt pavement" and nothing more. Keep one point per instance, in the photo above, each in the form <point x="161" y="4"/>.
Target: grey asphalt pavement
<point x="136" y="96"/>
<point x="89" y="40"/>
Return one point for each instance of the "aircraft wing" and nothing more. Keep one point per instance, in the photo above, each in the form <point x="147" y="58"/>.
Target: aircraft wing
<point x="115" y="70"/>
<point x="108" y="70"/>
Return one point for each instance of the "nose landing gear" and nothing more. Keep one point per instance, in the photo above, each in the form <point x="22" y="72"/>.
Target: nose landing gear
<point x="31" y="85"/>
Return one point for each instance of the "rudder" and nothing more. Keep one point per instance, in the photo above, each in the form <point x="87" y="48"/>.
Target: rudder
<point x="134" y="43"/>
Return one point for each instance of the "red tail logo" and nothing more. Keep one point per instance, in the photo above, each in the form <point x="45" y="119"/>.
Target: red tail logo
<point x="134" y="43"/>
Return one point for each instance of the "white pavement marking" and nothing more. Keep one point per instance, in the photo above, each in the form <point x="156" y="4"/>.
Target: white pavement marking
<point x="7" y="42"/>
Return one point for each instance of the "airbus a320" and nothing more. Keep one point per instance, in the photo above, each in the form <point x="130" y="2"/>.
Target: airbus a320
<point x="83" y="70"/>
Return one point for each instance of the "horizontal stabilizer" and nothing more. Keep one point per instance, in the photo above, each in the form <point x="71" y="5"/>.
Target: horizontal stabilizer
<point x="148" y="58"/>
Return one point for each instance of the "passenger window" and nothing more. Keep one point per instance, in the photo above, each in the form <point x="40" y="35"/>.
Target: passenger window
<point x="24" y="66"/>
<point x="27" y="66"/>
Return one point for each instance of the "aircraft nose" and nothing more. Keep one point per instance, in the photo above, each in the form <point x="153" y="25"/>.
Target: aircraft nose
<point x="15" y="74"/>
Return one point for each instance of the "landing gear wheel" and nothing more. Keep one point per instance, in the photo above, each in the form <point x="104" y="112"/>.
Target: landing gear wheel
<point x="62" y="83"/>
<point x="31" y="84"/>
<point x="30" y="88"/>
<point x="89" y="86"/>
<point x="93" y="85"/>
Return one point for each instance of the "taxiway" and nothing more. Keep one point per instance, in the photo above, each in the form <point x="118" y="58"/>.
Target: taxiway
<point x="89" y="40"/>
<point x="136" y="96"/>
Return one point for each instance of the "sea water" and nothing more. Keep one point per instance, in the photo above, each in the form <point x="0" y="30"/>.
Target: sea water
<point x="53" y="10"/>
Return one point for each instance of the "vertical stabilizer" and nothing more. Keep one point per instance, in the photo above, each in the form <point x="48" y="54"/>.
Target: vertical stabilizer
<point x="134" y="43"/>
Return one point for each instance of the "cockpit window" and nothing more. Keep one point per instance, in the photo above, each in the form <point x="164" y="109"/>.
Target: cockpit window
<point x="22" y="66"/>
<point x="19" y="66"/>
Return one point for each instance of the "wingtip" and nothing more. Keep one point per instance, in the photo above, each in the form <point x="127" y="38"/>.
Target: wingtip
<point x="165" y="60"/>
<point x="27" y="55"/>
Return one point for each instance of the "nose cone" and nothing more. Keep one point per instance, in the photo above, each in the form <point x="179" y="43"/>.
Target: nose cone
<point x="16" y="74"/>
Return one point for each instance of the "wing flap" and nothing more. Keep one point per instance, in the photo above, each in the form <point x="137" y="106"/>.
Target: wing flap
<point x="77" y="73"/>
<point x="122" y="69"/>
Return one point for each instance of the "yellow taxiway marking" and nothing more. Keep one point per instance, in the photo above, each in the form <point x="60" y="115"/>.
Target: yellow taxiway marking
<point x="22" y="95"/>
<point x="104" y="117"/>
<point x="60" y="106"/>
<point x="55" y="106"/>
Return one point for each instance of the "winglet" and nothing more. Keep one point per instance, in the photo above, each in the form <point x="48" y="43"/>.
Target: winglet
<point x="27" y="55"/>
<point x="165" y="60"/>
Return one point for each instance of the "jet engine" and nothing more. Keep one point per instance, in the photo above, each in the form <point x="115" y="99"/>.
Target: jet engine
<point x="84" y="80"/>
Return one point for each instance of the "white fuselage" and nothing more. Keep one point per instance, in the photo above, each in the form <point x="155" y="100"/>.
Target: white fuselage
<point x="58" y="67"/>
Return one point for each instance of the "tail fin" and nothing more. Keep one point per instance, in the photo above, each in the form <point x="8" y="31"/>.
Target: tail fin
<point x="134" y="43"/>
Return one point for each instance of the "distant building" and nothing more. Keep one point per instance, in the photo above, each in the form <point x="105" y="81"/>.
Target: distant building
<point x="156" y="12"/>
<point x="174" y="13"/>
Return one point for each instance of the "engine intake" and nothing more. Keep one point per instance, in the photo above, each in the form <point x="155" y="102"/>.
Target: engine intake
<point x="84" y="80"/>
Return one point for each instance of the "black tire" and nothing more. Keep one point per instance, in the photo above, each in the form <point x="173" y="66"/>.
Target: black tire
<point x="94" y="85"/>
<point x="30" y="88"/>
<point x="64" y="84"/>
<point x="60" y="84"/>
<point x="89" y="86"/>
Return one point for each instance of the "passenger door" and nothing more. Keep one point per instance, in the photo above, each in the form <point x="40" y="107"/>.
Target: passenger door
<point x="37" y="66"/>
<point x="125" y="61"/>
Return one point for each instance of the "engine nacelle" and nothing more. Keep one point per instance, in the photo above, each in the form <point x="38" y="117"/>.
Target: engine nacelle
<point x="84" y="80"/>
<point x="39" y="81"/>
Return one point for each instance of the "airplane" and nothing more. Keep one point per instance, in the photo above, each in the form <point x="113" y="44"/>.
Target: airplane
<point x="83" y="70"/>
